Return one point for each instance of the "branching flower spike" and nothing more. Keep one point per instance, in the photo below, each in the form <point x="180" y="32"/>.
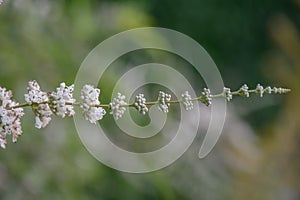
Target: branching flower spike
<point x="61" y="103"/>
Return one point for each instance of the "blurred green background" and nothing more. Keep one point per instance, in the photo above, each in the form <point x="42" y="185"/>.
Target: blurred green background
<point x="258" y="155"/>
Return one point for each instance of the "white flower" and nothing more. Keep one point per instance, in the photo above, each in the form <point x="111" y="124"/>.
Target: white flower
<point x="94" y="114"/>
<point x="61" y="100"/>
<point x="139" y="103"/>
<point x="186" y="100"/>
<point x="244" y="91"/>
<point x="206" y="97"/>
<point x="163" y="98"/>
<point x="259" y="90"/>
<point x="90" y="104"/>
<point x="35" y="95"/>
<point x="1" y="1"/>
<point x="10" y="118"/>
<point x="227" y="94"/>
<point x="39" y="103"/>
<point x="3" y="141"/>
<point x="268" y="90"/>
<point x="117" y="106"/>
<point x="90" y="96"/>
<point x="42" y="115"/>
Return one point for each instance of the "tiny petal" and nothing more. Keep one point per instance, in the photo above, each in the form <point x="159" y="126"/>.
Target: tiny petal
<point x="38" y="122"/>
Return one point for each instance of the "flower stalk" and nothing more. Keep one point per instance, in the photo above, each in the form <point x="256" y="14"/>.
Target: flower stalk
<point x="61" y="103"/>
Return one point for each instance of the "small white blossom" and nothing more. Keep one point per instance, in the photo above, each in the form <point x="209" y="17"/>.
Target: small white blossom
<point x="227" y="94"/>
<point x="1" y="1"/>
<point x="268" y="90"/>
<point x="39" y="101"/>
<point x="3" y="141"/>
<point x="139" y="103"/>
<point x="90" y="105"/>
<point x="61" y="102"/>
<point x="117" y="106"/>
<point x="244" y="91"/>
<point x="60" y="98"/>
<point x="206" y="97"/>
<point x="10" y="118"/>
<point x="259" y="90"/>
<point x="186" y="100"/>
<point x="163" y="98"/>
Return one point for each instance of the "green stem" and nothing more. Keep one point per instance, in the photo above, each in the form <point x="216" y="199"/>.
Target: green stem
<point x="20" y="106"/>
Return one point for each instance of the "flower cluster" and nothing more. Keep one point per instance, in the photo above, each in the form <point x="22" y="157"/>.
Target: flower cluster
<point x="117" y="106"/>
<point x="139" y="104"/>
<point x="10" y="118"/>
<point x="243" y="91"/>
<point x="268" y="90"/>
<point x="187" y="101"/>
<point x="206" y="97"/>
<point x="259" y="90"/>
<point x="39" y="102"/>
<point x="90" y="101"/>
<point x="163" y="101"/>
<point x="227" y="94"/>
<point x="61" y="103"/>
